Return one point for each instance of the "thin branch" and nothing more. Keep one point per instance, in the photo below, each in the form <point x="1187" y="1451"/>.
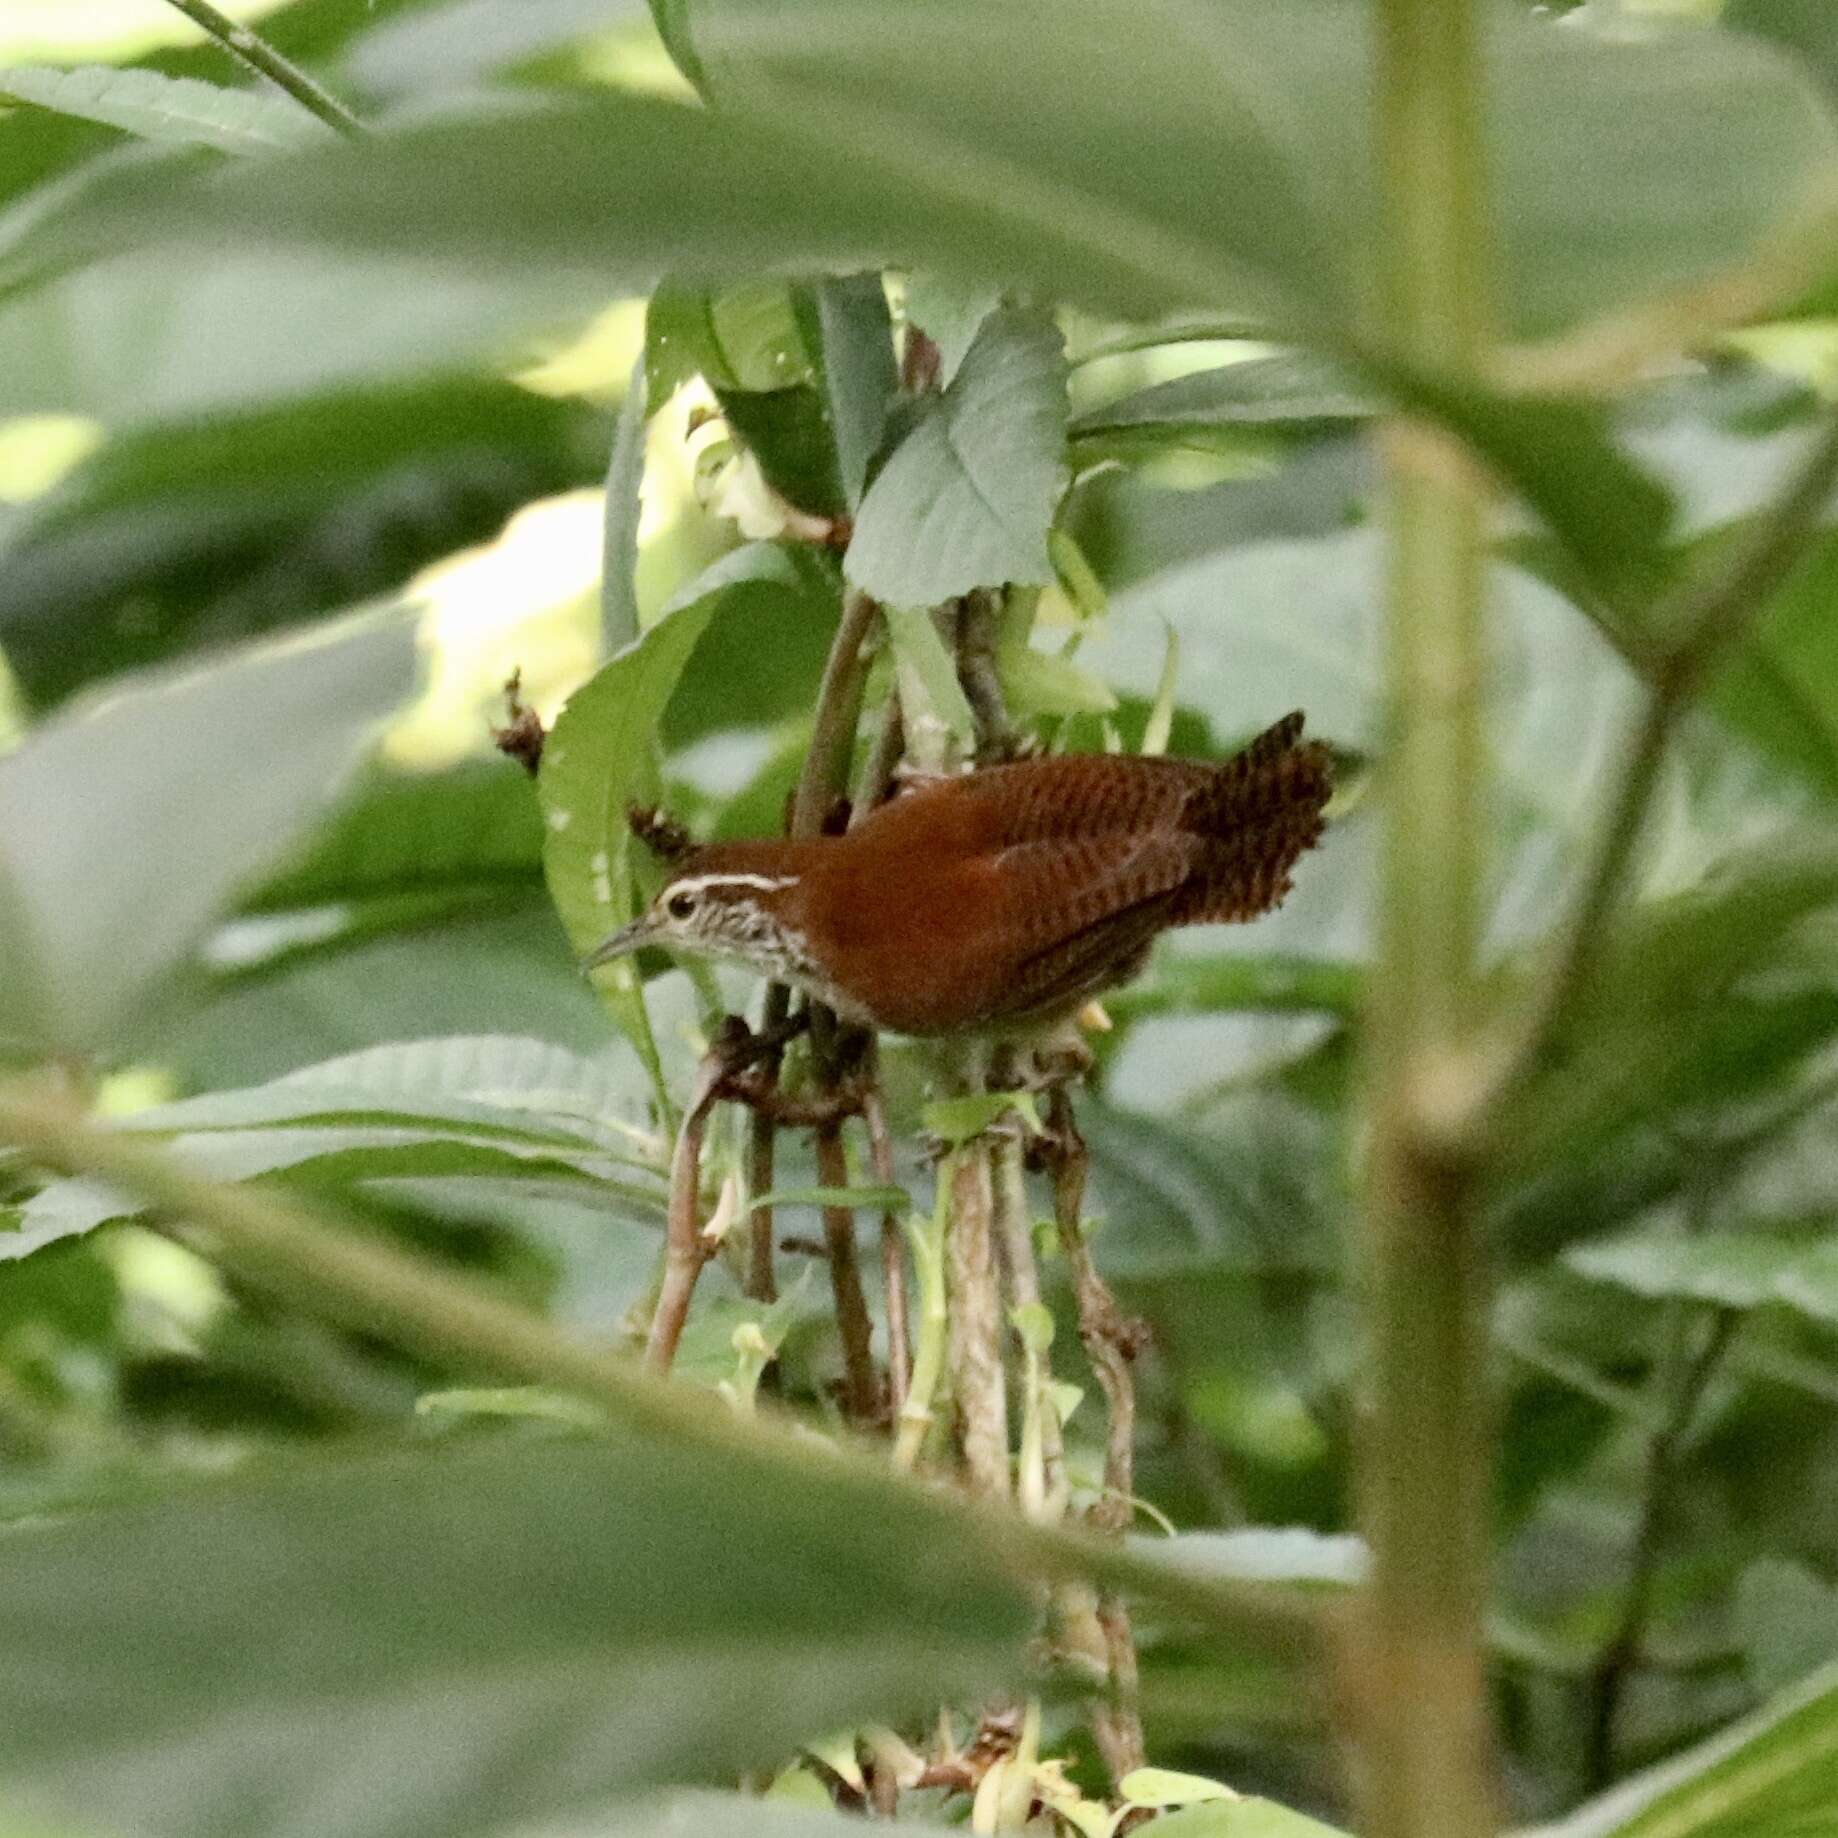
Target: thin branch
<point x="685" y="1249"/>
<point x="1622" y="1654"/>
<point x="825" y="773"/>
<point x="974" y="1340"/>
<point x="1711" y="616"/>
<point x="978" y="615"/>
<point x="862" y="1381"/>
<point x="893" y="1256"/>
<point x="1015" y="1241"/>
<point x="248" y="47"/>
<point x="822" y="778"/>
<point x="1112" y="1340"/>
<point x="1112" y="1343"/>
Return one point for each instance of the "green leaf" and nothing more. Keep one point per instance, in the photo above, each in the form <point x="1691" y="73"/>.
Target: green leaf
<point x="1774" y="1772"/>
<point x="859" y="378"/>
<point x="451" y="45"/>
<point x="157" y="332"/>
<point x="1786" y="1621"/>
<point x="276" y="994"/>
<point x="126" y="826"/>
<point x="1222" y="410"/>
<point x="601" y="757"/>
<point x="956" y="1121"/>
<point x="1264" y="982"/>
<point x="863" y="1198"/>
<point x="950" y="313"/>
<point x="390" y="1646"/>
<point x="471" y="831"/>
<point x="167" y="108"/>
<point x="1725" y="1269"/>
<point x="1609" y="515"/>
<point x="966" y="498"/>
<point x="1805" y="27"/>
<point x="939" y="723"/>
<point x="757" y="345"/>
<point x="625" y="473"/>
<point x="1164" y="1787"/>
<point x="671" y="18"/>
<point x="1044" y="683"/>
<point x="1242" y="1818"/>
<point x="760" y="657"/>
<point x="1108" y="193"/>
<point x="1666" y="1019"/>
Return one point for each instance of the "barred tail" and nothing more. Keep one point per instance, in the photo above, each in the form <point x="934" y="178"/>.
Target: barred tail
<point x="1257" y="817"/>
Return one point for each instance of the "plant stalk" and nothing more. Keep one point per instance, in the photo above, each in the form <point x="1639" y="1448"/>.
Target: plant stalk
<point x="248" y="47"/>
<point x="1419" y="1681"/>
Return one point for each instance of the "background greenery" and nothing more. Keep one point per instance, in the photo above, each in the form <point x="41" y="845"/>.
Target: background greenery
<point x="270" y="902"/>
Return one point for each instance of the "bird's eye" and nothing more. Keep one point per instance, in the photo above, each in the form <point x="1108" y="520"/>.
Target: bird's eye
<point x="680" y="905"/>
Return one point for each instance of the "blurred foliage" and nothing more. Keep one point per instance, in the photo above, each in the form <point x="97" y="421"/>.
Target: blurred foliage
<point x="247" y="1586"/>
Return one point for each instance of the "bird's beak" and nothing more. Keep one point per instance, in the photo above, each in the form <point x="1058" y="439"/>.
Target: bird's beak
<point x="622" y="943"/>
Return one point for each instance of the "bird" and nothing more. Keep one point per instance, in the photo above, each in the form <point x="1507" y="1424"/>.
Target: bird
<point x="1002" y="900"/>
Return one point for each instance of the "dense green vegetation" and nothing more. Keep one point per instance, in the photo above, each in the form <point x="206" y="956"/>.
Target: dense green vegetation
<point x="1110" y="377"/>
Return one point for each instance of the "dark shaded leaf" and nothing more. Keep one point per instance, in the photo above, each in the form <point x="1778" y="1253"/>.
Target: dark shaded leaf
<point x="859" y="378"/>
<point x="212" y="530"/>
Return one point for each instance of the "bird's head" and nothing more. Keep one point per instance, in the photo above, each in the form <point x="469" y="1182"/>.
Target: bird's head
<point x="742" y="912"/>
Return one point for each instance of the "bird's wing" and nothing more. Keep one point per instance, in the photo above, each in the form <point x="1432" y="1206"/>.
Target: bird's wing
<point x="1080" y="914"/>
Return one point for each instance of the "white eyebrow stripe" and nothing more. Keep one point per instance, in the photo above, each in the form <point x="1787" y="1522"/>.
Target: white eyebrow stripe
<point x="766" y="883"/>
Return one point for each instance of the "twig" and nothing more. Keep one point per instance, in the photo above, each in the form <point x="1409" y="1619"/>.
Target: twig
<point x="685" y="1250"/>
<point x="1710" y="616"/>
<point x="893" y="1255"/>
<point x="248" y="47"/>
<point x="883" y="759"/>
<point x="1111" y="1340"/>
<point x="762" y="1283"/>
<point x="974" y="1342"/>
<point x="1015" y="1241"/>
<point x="1112" y="1343"/>
<point x="862" y="1382"/>
<point x="1622" y="1654"/>
<point x="915" y="1418"/>
<point x="825" y="773"/>
<point x="977" y="617"/>
<point x="821" y="779"/>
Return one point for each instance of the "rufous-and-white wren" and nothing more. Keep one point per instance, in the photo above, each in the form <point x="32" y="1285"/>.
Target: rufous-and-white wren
<point x="1005" y="898"/>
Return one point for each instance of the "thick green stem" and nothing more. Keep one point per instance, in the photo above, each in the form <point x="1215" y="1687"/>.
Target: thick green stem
<point x="1421" y="1684"/>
